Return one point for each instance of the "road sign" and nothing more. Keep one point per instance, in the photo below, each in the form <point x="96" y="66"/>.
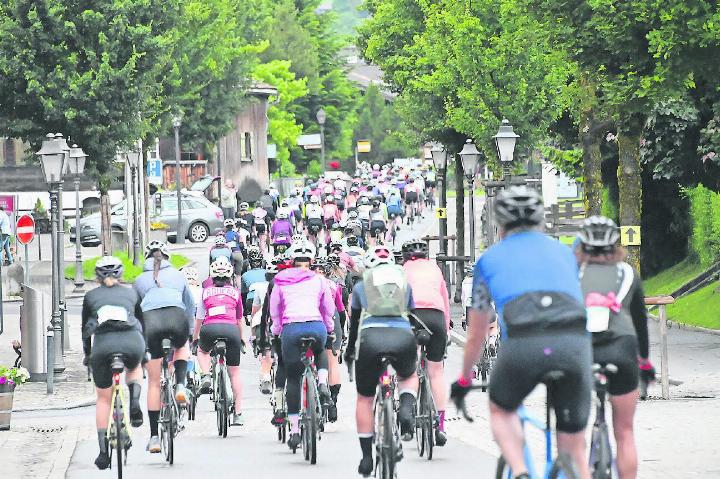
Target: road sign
<point x="441" y="213"/>
<point x="364" y="146"/>
<point x="25" y="229"/>
<point x="630" y="235"/>
<point x="154" y="171"/>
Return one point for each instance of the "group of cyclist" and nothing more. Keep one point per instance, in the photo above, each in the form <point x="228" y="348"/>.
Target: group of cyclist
<point x="361" y="299"/>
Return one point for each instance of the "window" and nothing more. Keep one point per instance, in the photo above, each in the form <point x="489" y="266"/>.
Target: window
<point x="246" y="147"/>
<point x="9" y="152"/>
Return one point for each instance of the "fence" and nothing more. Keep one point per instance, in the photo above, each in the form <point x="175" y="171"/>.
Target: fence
<point x="564" y="219"/>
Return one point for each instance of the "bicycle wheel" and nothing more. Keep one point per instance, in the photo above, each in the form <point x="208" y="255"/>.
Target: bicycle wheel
<point x="312" y="419"/>
<point x="388" y="444"/>
<point x="428" y="421"/>
<point x="563" y="468"/>
<point x="503" y="470"/>
<point x="120" y="439"/>
<point x="484" y="368"/>
<point x="221" y="405"/>
<point x="419" y="419"/>
<point x="600" y="453"/>
<point x="167" y="425"/>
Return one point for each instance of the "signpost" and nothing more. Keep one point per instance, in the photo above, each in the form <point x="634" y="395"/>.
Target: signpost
<point x="440" y="213"/>
<point x="25" y="233"/>
<point x="154" y="171"/>
<point x="630" y="235"/>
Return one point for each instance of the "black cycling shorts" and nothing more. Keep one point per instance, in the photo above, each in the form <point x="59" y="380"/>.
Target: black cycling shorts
<point x="260" y="228"/>
<point x="623" y="353"/>
<point x="434" y="320"/>
<point x="315" y="223"/>
<point x="377" y="228"/>
<point x="337" y="343"/>
<point x="159" y="324"/>
<point x="129" y="343"/>
<point x="523" y="361"/>
<point x="429" y="184"/>
<point x="398" y="344"/>
<point x="211" y="331"/>
<point x="411" y="197"/>
<point x="237" y="260"/>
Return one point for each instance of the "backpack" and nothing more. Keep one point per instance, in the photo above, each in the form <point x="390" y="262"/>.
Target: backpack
<point x="605" y="289"/>
<point x="386" y="290"/>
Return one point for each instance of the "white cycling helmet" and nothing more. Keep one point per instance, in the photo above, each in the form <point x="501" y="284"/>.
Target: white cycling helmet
<point x="302" y="250"/>
<point x="314" y="200"/>
<point x="156" y="246"/>
<point x="244" y="205"/>
<point x="328" y="189"/>
<point x="282" y="215"/>
<point x="378" y="255"/>
<point x="330" y="198"/>
<point x="109" y="266"/>
<point x="229" y="222"/>
<point x="221" y="268"/>
<point x="297" y="238"/>
<point x="376" y="167"/>
<point x="220" y="240"/>
<point x="284" y="204"/>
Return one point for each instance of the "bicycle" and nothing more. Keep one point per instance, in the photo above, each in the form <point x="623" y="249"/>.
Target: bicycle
<point x="311" y="413"/>
<point x="193" y="389"/>
<point x="221" y="390"/>
<point x="601" y="458"/>
<point x="388" y="450"/>
<point x="560" y="468"/>
<point x="426" y="418"/>
<point x="118" y="432"/>
<point x="170" y="415"/>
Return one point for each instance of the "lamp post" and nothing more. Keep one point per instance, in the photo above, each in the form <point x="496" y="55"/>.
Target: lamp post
<point x="176" y="122"/>
<point x="133" y="158"/>
<point x="77" y="167"/>
<point x="470" y="157"/>
<point x="321" y="117"/>
<point x="505" y="140"/>
<point x="53" y="159"/>
<point x="440" y="159"/>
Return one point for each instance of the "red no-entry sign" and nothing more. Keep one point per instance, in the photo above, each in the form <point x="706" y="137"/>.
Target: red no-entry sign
<point x="25" y="231"/>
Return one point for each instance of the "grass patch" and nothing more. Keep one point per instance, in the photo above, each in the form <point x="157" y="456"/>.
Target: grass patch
<point x="568" y="240"/>
<point x="672" y="278"/>
<point x="453" y="193"/>
<point x="701" y="308"/>
<point x="130" y="270"/>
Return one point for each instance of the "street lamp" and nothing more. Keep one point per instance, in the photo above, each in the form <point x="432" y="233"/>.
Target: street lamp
<point x="77" y="167"/>
<point x="53" y="159"/>
<point x="133" y="158"/>
<point x="176" y="122"/>
<point x="470" y="158"/>
<point x="505" y="140"/>
<point x="440" y="159"/>
<point x="321" y="117"/>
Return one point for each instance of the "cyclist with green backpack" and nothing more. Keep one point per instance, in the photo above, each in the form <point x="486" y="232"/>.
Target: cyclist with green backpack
<point x="380" y="326"/>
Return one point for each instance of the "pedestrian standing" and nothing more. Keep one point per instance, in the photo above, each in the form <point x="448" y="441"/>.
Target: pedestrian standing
<point x="5" y="233"/>
<point x="227" y="199"/>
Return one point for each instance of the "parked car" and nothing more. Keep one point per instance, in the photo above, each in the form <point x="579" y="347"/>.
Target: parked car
<point x="202" y="217"/>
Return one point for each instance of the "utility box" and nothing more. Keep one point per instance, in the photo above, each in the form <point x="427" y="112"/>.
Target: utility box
<point x="35" y="314"/>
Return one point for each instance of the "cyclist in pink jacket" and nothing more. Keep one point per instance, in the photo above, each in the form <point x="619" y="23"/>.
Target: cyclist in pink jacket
<point x="301" y="306"/>
<point x="432" y="307"/>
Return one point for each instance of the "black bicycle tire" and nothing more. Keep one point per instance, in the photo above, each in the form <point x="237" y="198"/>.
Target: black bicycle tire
<point x="601" y="468"/>
<point x="223" y="403"/>
<point x="313" y="418"/>
<point x="563" y="468"/>
<point x="390" y="454"/>
<point x="118" y="431"/>
<point x="419" y="418"/>
<point x="171" y="423"/>
<point x="429" y="421"/>
<point x="503" y="471"/>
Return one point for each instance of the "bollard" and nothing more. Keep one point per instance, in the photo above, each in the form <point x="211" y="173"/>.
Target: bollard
<point x="662" y="302"/>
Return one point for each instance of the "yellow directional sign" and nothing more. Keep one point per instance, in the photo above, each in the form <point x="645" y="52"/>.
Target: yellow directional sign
<point x="441" y="213"/>
<point x="364" y="146"/>
<point x="630" y="235"/>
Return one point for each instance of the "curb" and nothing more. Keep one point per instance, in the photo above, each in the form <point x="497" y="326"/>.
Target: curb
<point x="85" y="402"/>
<point x="458" y="338"/>
<point x="64" y="454"/>
<point x="686" y="327"/>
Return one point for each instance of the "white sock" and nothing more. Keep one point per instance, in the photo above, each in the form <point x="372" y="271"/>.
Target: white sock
<point x="322" y="376"/>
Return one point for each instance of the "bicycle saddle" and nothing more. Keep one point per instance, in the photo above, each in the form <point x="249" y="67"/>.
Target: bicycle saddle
<point x="553" y="376"/>
<point x="423" y="337"/>
<point x="220" y="345"/>
<point x="306" y="343"/>
<point x="117" y="365"/>
<point x="608" y="368"/>
<point x="166" y="345"/>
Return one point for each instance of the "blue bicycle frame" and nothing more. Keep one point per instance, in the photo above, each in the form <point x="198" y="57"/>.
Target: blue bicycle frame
<point x="526" y="418"/>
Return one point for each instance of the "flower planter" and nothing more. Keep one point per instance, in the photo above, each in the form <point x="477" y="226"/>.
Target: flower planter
<point x="6" y="402"/>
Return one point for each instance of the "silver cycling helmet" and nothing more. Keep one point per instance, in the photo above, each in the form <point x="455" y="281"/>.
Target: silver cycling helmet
<point x="598" y="233"/>
<point x="378" y="255"/>
<point x="229" y="222"/>
<point x="302" y="250"/>
<point x="519" y="206"/>
<point x="109" y="267"/>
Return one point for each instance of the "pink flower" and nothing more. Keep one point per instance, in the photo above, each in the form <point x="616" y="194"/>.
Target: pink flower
<point x="3" y="380"/>
<point x="11" y="383"/>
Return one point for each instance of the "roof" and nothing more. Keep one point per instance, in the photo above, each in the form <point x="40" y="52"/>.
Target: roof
<point x="262" y="89"/>
<point x="365" y="75"/>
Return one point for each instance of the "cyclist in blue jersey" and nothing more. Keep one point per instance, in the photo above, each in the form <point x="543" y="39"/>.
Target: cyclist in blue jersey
<point x="533" y="281"/>
<point x="250" y="278"/>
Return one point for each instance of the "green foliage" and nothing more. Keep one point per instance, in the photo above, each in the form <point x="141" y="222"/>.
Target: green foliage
<point x="705" y="214"/>
<point x="609" y="205"/>
<point x="314" y="169"/>
<point x="568" y="161"/>
<point x="130" y="271"/>
<point x="349" y="15"/>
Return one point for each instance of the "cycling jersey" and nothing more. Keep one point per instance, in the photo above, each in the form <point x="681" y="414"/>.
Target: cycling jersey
<point x="281" y="232"/>
<point x="378" y="214"/>
<point x="170" y="290"/>
<point x="300" y="296"/>
<point x="313" y="211"/>
<point x="107" y="309"/>
<point x="331" y="212"/>
<point x="233" y="240"/>
<point x="364" y="212"/>
<point x="537" y="277"/>
<point x="249" y="278"/>
<point x="425" y="276"/>
<point x="360" y="302"/>
<point x="351" y="200"/>
<point x="220" y="304"/>
<point x="260" y="216"/>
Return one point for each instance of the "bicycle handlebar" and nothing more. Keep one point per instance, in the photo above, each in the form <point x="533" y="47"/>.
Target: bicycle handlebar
<point x="460" y="403"/>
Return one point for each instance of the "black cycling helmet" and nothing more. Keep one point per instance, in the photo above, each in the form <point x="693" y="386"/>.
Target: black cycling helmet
<point x="108" y="267"/>
<point x="376" y="203"/>
<point x="352" y="240"/>
<point x="255" y="256"/>
<point x="598" y="234"/>
<point x="398" y="254"/>
<point x="415" y="248"/>
<point x="320" y="264"/>
<point x="333" y="260"/>
<point x="519" y="206"/>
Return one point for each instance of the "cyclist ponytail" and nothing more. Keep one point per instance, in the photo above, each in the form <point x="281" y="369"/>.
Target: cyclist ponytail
<point x="157" y="263"/>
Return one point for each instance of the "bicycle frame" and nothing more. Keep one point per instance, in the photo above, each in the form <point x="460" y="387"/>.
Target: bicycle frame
<point x="117" y="392"/>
